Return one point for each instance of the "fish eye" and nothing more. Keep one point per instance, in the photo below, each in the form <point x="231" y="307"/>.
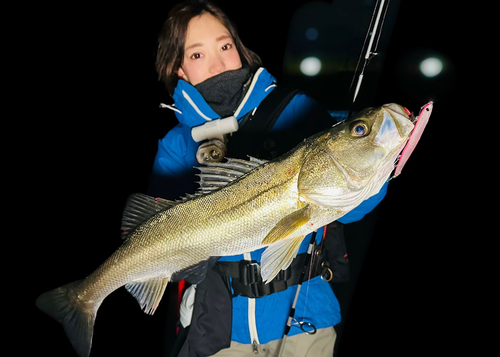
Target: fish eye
<point x="359" y="128"/>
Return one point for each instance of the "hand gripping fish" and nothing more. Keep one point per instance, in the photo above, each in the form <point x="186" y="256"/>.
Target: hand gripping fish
<point x="241" y="206"/>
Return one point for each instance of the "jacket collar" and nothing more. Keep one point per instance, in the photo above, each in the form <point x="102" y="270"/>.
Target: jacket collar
<point x="192" y="110"/>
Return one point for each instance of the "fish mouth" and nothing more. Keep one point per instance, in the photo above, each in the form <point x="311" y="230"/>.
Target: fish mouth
<point x="401" y="116"/>
<point x="395" y="128"/>
<point x="393" y="134"/>
<point x="397" y="109"/>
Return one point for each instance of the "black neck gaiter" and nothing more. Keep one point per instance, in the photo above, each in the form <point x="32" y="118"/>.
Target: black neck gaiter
<point x="223" y="92"/>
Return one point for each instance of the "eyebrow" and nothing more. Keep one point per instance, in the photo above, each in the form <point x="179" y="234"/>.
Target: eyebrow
<point x="199" y="44"/>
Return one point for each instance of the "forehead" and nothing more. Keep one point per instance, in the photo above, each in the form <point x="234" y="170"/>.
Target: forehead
<point x="204" y="28"/>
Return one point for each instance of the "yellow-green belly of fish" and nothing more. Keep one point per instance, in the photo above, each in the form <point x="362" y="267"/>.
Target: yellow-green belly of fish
<point x="275" y="204"/>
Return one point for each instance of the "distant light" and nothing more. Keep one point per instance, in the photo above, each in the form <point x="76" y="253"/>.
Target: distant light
<point x="310" y="66"/>
<point x="431" y="67"/>
<point x="312" y="34"/>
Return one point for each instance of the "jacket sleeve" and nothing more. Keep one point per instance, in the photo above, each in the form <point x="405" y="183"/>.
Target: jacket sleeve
<point x="306" y="117"/>
<point x="173" y="174"/>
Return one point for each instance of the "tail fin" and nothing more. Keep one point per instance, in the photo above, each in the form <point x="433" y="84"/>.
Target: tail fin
<point x="76" y="317"/>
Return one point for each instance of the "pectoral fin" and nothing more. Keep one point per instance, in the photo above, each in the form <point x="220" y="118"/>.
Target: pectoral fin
<point x="288" y="225"/>
<point x="283" y="243"/>
<point x="148" y="293"/>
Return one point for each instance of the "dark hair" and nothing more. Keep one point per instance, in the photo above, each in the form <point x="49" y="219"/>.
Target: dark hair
<point x="173" y="35"/>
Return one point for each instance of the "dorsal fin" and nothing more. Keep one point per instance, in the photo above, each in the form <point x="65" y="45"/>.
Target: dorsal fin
<point x="218" y="174"/>
<point x="139" y="208"/>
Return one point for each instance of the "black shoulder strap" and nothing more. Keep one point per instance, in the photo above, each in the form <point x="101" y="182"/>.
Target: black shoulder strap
<point x="268" y="111"/>
<point x="254" y="133"/>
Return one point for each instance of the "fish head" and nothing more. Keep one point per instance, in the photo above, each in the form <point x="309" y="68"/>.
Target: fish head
<point x="351" y="161"/>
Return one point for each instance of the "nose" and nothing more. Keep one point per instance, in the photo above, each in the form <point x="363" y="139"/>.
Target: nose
<point x="217" y="65"/>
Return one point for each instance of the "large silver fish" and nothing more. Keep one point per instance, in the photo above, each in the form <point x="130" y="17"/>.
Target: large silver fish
<point x="247" y="205"/>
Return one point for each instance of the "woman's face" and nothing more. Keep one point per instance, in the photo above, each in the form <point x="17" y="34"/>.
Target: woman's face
<point x="208" y="50"/>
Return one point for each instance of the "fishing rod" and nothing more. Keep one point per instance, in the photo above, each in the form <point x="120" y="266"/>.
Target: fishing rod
<point x="372" y="33"/>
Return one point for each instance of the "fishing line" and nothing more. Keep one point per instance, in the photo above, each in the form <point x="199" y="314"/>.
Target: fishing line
<point x="291" y="316"/>
<point x="314" y="255"/>
<point x="307" y="285"/>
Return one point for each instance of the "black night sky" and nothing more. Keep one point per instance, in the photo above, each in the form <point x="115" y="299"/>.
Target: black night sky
<point x="90" y="92"/>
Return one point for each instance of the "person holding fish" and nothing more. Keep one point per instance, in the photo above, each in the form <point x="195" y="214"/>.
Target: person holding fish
<point x="214" y="78"/>
<point x="253" y="233"/>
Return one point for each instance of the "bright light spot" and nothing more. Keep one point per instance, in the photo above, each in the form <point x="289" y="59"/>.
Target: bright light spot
<point x="312" y="34"/>
<point x="431" y="67"/>
<point x="310" y="66"/>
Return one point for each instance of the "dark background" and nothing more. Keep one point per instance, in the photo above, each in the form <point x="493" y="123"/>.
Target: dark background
<point x="90" y="98"/>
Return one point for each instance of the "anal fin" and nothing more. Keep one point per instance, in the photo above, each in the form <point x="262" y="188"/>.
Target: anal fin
<point x="148" y="293"/>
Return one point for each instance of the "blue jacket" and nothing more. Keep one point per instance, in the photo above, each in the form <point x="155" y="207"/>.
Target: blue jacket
<point x="263" y="319"/>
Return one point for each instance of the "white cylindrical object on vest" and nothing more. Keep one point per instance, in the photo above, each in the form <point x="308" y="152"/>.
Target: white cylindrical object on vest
<point x="214" y="129"/>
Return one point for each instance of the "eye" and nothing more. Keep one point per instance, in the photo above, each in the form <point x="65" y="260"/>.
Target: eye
<point x="196" y="55"/>
<point x="227" y="47"/>
<point x="359" y="128"/>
